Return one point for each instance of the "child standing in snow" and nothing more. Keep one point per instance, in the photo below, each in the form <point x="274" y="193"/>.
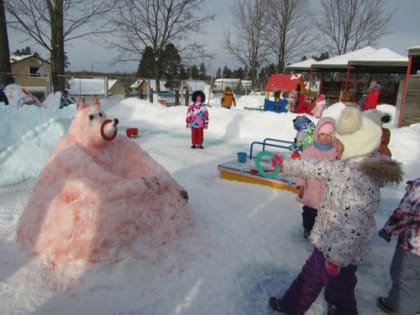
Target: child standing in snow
<point x="370" y="99"/>
<point x="228" y="99"/>
<point x="304" y="136"/>
<point x="197" y="119"/>
<point x="346" y="217"/>
<point x="405" y="267"/>
<point x="310" y="190"/>
<point x="319" y="106"/>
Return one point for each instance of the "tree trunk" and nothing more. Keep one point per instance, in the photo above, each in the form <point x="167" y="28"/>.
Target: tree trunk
<point x="5" y="67"/>
<point x="156" y="70"/>
<point x="57" y="47"/>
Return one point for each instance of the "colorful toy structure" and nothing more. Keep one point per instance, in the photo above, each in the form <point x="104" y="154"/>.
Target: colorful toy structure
<point x="285" y="93"/>
<point x="247" y="170"/>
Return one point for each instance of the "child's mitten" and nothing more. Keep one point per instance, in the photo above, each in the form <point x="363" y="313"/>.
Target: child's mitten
<point x="332" y="268"/>
<point x="385" y="235"/>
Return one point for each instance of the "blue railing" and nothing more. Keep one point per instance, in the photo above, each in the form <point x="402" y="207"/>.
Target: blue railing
<point x="267" y="142"/>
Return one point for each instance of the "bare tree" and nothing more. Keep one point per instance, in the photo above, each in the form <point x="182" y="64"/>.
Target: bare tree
<point x="250" y="47"/>
<point x="5" y="68"/>
<point x="50" y="23"/>
<point x="156" y="23"/>
<point x="348" y="25"/>
<point x="290" y="33"/>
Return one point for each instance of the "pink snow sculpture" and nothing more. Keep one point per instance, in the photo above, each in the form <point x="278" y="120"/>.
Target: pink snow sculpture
<point x="98" y="193"/>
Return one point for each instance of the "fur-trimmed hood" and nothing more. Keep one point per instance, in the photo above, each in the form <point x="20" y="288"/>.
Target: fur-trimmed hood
<point x="382" y="169"/>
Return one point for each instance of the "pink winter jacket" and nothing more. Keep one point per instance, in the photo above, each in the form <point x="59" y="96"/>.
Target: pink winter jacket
<point x="319" y="108"/>
<point x="313" y="189"/>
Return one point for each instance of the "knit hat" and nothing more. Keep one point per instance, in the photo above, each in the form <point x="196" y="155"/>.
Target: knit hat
<point x="327" y="128"/>
<point x="359" y="134"/>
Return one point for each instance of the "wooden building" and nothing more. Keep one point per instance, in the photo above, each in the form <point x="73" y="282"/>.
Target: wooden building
<point x="33" y="73"/>
<point x="409" y="109"/>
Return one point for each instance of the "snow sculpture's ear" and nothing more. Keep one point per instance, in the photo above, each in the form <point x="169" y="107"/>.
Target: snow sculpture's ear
<point x="95" y="101"/>
<point x="81" y="104"/>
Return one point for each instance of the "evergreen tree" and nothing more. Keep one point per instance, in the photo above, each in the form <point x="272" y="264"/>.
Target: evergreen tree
<point x="322" y="56"/>
<point x="147" y="62"/>
<point x="23" y="52"/>
<point x="183" y="75"/>
<point x="171" y="63"/>
<point x="266" y="73"/>
<point x="194" y="74"/>
<point x="238" y="73"/>
<point x="202" y="71"/>
<point x="227" y="73"/>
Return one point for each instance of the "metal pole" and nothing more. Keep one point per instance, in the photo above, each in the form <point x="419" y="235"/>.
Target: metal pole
<point x="404" y="96"/>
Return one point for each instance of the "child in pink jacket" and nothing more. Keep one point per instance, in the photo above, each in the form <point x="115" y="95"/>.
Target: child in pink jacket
<point x="197" y="119"/>
<point x="310" y="190"/>
<point x="319" y="106"/>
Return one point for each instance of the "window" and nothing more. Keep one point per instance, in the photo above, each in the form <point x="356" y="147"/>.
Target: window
<point x="37" y="72"/>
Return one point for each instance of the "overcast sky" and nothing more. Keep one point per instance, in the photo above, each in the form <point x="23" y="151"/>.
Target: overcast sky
<point x="84" y="55"/>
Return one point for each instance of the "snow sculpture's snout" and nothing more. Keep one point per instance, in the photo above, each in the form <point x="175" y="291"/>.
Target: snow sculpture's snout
<point x="109" y="129"/>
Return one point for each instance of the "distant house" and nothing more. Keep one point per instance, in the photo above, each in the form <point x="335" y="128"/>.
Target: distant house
<point x="142" y="86"/>
<point x="220" y="84"/>
<point x="236" y="84"/>
<point x="193" y="85"/>
<point x="246" y="84"/>
<point x="95" y="87"/>
<point x="33" y="73"/>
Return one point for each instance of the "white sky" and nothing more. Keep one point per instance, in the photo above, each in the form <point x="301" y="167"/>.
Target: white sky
<point x="84" y="55"/>
<point x="247" y="243"/>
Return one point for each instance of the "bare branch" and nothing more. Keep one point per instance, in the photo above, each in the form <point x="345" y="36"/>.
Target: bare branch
<point x="155" y="23"/>
<point x="348" y="25"/>
<point x="249" y="46"/>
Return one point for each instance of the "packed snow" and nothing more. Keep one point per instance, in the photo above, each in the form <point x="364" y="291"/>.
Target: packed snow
<point x="247" y="244"/>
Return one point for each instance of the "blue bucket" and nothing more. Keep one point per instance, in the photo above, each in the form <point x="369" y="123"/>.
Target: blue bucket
<point x="241" y="157"/>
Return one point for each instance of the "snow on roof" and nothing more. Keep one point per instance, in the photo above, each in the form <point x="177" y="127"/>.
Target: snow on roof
<point x="152" y="83"/>
<point x="302" y="65"/>
<point x="342" y="60"/>
<point x="227" y="80"/>
<point x="15" y="58"/>
<point x="89" y="86"/>
<point x="382" y="56"/>
<point x="414" y="50"/>
<point x="136" y="84"/>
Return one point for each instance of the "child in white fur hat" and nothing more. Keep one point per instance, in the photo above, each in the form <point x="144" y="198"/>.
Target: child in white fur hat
<point x="346" y="217"/>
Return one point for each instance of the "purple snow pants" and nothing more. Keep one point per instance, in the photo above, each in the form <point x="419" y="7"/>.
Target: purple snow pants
<point x="339" y="290"/>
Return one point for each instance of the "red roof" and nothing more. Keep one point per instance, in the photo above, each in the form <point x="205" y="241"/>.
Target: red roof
<point x="284" y="83"/>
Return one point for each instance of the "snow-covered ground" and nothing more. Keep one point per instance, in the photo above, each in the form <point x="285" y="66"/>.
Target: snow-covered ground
<point x="247" y="243"/>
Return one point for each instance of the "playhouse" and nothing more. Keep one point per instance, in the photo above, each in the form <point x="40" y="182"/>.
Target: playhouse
<point x="285" y="92"/>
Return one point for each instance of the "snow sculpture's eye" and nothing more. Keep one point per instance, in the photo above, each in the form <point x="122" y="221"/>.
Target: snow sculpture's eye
<point x="100" y="114"/>
<point x="91" y="117"/>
